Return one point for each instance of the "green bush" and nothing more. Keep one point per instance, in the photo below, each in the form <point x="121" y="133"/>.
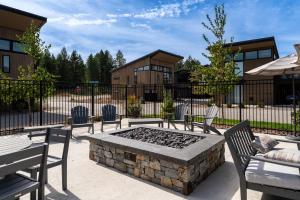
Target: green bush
<point x="134" y="107"/>
<point x="168" y="105"/>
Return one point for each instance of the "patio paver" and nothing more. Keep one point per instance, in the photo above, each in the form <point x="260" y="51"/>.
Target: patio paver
<point x="90" y="181"/>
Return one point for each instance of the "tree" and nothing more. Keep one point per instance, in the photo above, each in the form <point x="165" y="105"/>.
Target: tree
<point x="48" y="62"/>
<point x="191" y="64"/>
<point x="77" y="67"/>
<point x="119" y="60"/>
<point x="222" y="65"/>
<point x="63" y="66"/>
<point x="167" y="106"/>
<point x="30" y="90"/>
<point x="92" y="68"/>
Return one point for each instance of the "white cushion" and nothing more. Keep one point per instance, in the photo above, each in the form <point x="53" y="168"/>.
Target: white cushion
<point x="273" y="175"/>
<point x="286" y="155"/>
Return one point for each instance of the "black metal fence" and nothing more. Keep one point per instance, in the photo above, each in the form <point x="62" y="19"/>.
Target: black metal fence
<point x="266" y="103"/>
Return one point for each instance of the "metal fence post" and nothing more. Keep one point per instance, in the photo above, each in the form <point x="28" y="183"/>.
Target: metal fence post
<point x="191" y="98"/>
<point x="240" y="99"/>
<point x="41" y="103"/>
<point x="126" y="103"/>
<point x="93" y="100"/>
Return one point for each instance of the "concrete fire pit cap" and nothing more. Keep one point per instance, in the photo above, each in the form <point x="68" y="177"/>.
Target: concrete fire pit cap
<point x="184" y="156"/>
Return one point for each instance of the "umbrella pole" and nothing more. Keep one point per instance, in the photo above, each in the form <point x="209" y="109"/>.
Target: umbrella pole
<point x="294" y="104"/>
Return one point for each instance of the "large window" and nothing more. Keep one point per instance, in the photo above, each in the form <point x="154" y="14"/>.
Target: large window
<point x="4" y="45"/>
<point x="17" y="47"/>
<point x="251" y="55"/>
<point x="239" y="68"/>
<point x="8" y="45"/>
<point x="266" y="53"/>
<point x="6" y="64"/>
<point x="239" y="56"/>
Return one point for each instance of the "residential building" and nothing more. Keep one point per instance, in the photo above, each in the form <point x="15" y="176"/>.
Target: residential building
<point x="154" y="68"/>
<point x="248" y="55"/>
<point x="13" y="23"/>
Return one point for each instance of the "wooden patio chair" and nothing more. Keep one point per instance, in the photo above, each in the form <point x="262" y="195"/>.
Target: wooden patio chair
<point x="57" y="136"/>
<point x="110" y="116"/>
<point x="14" y="185"/>
<point x="80" y="118"/>
<point x="208" y="118"/>
<point x="255" y="172"/>
<point x="180" y="116"/>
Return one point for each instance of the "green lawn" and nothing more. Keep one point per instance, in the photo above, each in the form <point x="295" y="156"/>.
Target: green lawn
<point x="254" y="124"/>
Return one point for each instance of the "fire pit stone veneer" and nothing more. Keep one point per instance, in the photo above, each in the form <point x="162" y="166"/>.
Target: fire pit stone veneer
<point x="180" y="169"/>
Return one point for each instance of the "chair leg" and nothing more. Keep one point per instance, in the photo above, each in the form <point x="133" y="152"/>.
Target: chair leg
<point x="41" y="192"/>
<point x="243" y="191"/>
<point x="64" y="176"/>
<point x="120" y="125"/>
<point x="93" y="129"/>
<point x="184" y="126"/>
<point x="46" y="176"/>
<point x="33" y="174"/>
<point x="168" y="124"/>
<point x="192" y="127"/>
<point x="102" y="127"/>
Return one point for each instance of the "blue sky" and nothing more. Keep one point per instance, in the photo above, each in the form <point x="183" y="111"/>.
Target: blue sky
<point x="137" y="27"/>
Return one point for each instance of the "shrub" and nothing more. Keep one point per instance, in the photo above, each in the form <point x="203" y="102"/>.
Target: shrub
<point x="167" y="105"/>
<point x="229" y="105"/>
<point x="134" y="107"/>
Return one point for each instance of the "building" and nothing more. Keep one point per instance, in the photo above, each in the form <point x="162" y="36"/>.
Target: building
<point x="141" y="74"/>
<point x="248" y="55"/>
<point x="14" y="22"/>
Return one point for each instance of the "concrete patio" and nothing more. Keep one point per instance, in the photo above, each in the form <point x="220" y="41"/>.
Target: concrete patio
<point x="88" y="180"/>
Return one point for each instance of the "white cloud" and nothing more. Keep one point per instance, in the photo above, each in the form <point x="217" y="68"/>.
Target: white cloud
<point x="164" y="10"/>
<point x="143" y="26"/>
<point x="79" y="22"/>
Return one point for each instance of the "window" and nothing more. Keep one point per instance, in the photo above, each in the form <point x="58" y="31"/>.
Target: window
<point x="6" y="64"/>
<point x="250" y="55"/>
<point x="17" y="47"/>
<point x="4" y="45"/>
<point x="154" y="68"/>
<point x="266" y="53"/>
<point x="239" y="56"/>
<point x="239" y="68"/>
<point x="146" y="68"/>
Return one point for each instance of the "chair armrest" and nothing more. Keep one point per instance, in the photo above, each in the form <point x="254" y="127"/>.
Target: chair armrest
<point x="288" y="141"/>
<point x="69" y="120"/>
<point x="289" y="164"/>
<point x="120" y="116"/>
<point x="92" y="118"/>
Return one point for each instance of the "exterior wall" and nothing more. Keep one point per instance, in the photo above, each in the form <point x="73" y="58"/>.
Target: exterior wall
<point x="256" y="92"/>
<point x="16" y="59"/>
<point x="125" y="76"/>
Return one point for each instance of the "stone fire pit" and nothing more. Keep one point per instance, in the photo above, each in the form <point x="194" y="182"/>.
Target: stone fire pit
<point x="175" y="159"/>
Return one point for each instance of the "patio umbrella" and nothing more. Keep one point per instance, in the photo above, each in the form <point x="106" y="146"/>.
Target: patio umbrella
<point x="283" y="66"/>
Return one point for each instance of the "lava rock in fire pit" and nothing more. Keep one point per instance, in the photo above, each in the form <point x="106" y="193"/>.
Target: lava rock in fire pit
<point x="160" y="137"/>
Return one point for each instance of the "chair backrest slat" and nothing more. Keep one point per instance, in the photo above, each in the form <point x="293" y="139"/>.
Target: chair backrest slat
<point x="80" y="114"/>
<point x="59" y="135"/>
<point x="239" y="139"/>
<point x="181" y="110"/>
<point x="109" y="112"/>
<point x="24" y="159"/>
<point x="211" y="113"/>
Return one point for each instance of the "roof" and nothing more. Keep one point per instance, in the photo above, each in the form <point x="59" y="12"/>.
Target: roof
<point x="258" y="40"/>
<point x="150" y="55"/>
<point x="19" y="19"/>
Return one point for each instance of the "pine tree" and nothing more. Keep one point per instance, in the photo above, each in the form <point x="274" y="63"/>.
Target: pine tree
<point x="78" y="68"/>
<point x="119" y="60"/>
<point x="63" y="67"/>
<point x="92" y="68"/>
<point x="48" y="62"/>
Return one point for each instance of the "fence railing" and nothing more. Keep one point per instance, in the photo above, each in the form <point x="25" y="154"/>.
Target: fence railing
<point x="265" y="103"/>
